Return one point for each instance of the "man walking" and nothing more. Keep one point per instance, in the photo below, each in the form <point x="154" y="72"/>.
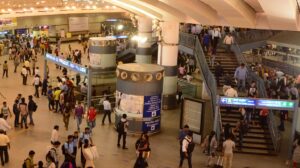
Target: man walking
<point x="186" y="152"/>
<point x="228" y="147"/>
<point x="68" y="151"/>
<point x="122" y="130"/>
<point x="16" y="112"/>
<point x="24" y="112"/>
<point x="32" y="107"/>
<point x="5" y="69"/>
<point x="107" y="110"/>
<point x="78" y="115"/>
<point x="4" y="146"/>
<point x="53" y="153"/>
<point x="240" y="75"/>
<point x="24" y="75"/>
<point x="218" y="73"/>
<point x="36" y="83"/>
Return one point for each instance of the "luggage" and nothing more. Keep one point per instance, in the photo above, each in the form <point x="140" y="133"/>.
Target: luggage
<point x="219" y="163"/>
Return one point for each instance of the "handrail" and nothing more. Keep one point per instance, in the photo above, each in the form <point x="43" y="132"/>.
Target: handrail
<point x="193" y="42"/>
<point x="248" y="36"/>
<point x="275" y="134"/>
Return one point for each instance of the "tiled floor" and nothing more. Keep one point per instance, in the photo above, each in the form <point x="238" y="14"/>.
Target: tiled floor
<point x="165" y="147"/>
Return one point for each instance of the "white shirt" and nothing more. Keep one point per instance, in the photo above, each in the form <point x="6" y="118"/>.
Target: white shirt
<point x="228" y="40"/>
<point x="185" y="143"/>
<point x="36" y="81"/>
<point x="228" y="146"/>
<point x="231" y="93"/>
<point x="106" y="105"/>
<point x="216" y="33"/>
<point x="4" y="125"/>
<point x="37" y="71"/>
<point x="24" y="71"/>
<point x="4" y="140"/>
<point x="54" y="135"/>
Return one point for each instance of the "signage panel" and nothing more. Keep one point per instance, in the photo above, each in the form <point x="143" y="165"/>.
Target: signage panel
<point x="237" y="101"/>
<point x="152" y="106"/>
<point x="276" y="103"/>
<point x="67" y="64"/>
<point x="151" y="126"/>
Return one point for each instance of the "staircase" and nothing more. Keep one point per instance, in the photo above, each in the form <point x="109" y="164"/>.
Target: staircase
<point x="228" y="62"/>
<point x="257" y="141"/>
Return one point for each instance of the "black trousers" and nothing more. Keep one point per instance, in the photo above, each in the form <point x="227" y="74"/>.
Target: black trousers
<point x="24" y="79"/>
<point x="3" y="154"/>
<point x="182" y="157"/>
<point x="106" y="113"/>
<point x="17" y="117"/>
<point x="120" y="135"/>
<point x="36" y="93"/>
<point x="5" y="72"/>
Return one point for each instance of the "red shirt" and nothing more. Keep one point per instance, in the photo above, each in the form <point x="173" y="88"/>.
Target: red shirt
<point x="92" y="114"/>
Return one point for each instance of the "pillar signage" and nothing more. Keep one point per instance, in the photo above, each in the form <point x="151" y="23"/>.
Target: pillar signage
<point x="152" y="105"/>
<point x="152" y="125"/>
<point x="67" y="64"/>
<point x="258" y="103"/>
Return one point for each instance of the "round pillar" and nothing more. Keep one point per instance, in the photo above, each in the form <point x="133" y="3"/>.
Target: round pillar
<point x="102" y="52"/>
<point x="139" y="88"/>
<point x="143" y="51"/>
<point x="167" y="57"/>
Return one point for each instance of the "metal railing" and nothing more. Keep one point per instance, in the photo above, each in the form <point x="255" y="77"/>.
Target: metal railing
<point x="252" y="76"/>
<point x="248" y="36"/>
<point x="187" y="89"/>
<point x="193" y="42"/>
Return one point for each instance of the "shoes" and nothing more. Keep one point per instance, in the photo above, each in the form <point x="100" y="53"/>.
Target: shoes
<point x="26" y="127"/>
<point x="118" y="145"/>
<point x="125" y="148"/>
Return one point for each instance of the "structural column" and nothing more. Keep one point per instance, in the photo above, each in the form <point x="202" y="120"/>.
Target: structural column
<point x="167" y="57"/>
<point x="143" y="51"/>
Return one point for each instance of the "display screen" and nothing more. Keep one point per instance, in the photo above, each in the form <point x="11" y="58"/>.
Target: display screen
<point x="67" y="64"/>
<point x="152" y="106"/>
<point x="258" y="103"/>
<point x="237" y="101"/>
<point x="192" y="115"/>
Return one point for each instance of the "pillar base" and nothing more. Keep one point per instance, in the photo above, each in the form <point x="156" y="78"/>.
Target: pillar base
<point x="169" y="102"/>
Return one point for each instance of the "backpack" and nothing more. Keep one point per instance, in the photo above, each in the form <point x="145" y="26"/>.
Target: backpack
<point x="49" y="155"/>
<point x="120" y="127"/>
<point x="191" y="146"/>
<point x="24" y="163"/>
<point x="34" y="106"/>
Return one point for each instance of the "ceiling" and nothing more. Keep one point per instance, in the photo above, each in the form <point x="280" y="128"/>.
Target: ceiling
<point x="260" y="14"/>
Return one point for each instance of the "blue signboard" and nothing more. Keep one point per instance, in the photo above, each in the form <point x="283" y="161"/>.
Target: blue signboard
<point x="258" y="103"/>
<point x="152" y="106"/>
<point x="67" y="64"/>
<point x="237" y="101"/>
<point x="151" y="126"/>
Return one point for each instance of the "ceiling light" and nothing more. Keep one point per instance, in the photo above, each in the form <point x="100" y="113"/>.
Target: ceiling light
<point x="9" y="10"/>
<point x="31" y="8"/>
<point x="24" y="9"/>
<point x="42" y="1"/>
<point x="90" y="2"/>
<point x="2" y="10"/>
<point x="46" y="8"/>
<point x="87" y="7"/>
<point x="106" y="6"/>
<point x="53" y="8"/>
<point x="73" y="7"/>
<point x="120" y="27"/>
<point x="94" y="7"/>
<point x="114" y="7"/>
<point x="37" y="3"/>
<point x="67" y="7"/>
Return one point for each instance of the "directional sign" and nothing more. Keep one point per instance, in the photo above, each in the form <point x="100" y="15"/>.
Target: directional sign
<point x="237" y="101"/>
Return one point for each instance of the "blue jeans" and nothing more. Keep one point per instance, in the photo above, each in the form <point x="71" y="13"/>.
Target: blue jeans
<point x="241" y="84"/>
<point x="24" y="120"/>
<point x="78" y="121"/>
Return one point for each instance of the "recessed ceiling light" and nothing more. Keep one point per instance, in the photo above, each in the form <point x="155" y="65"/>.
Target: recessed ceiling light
<point x="106" y="6"/>
<point x="114" y="7"/>
<point x="67" y="7"/>
<point x="31" y="8"/>
<point x="46" y="8"/>
<point x="53" y="8"/>
<point x="2" y="10"/>
<point x="73" y="7"/>
<point x="94" y="7"/>
<point x="24" y="9"/>
<point x="9" y="10"/>
<point x="87" y="7"/>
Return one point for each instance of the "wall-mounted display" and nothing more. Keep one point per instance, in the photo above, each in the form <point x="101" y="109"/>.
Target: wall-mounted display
<point x="78" y="24"/>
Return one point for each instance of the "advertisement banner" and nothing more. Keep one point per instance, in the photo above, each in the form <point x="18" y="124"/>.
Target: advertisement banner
<point x="152" y="106"/>
<point x="151" y="126"/>
<point x="6" y="22"/>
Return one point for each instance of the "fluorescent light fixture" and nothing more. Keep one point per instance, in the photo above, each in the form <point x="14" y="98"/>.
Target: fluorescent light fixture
<point x="126" y="5"/>
<point x="120" y="27"/>
<point x="139" y="39"/>
<point x="111" y="20"/>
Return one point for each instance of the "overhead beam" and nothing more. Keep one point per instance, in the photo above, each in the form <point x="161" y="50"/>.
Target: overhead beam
<point x="235" y="12"/>
<point x="281" y="14"/>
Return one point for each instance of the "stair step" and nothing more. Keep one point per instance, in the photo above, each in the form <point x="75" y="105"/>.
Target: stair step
<point x="255" y="146"/>
<point x="256" y="152"/>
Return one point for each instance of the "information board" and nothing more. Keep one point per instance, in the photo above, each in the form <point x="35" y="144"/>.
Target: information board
<point x="258" y="103"/>
<point x="78" y="24"/>
<point x="152" y="106"/>
<point x="192" y="115"/>
<point x="67" y="64"/>
<point x="152" y="125"/>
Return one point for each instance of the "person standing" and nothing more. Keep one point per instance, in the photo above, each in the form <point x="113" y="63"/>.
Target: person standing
<point x="16" y="62"/>
<point x="240" y="75"/>
<point x="5" y="111"/>
<point x="68" y="151"/>
<point x="88" y="156"/>
<point x="228" y="41"/>
<point x="4" y="124"/>
<point x="107" y="110"/>
<point x="5" y="69"/>
<point x="4" y="146"/>
<point x="142" y="146"/>
<point x="29" y="162"/>
<point x="36" y="83"/>
<point x="228" y="147"/>
<point x="52" y="155"/>
<point x="16" y="112"/>
<point x="24" y="75"/>
<point x="84" y="138"/>
<point x="54" y="134"/>
<point x="45" y="86"/>
<point x="78" y="115"/>
<point x="91" y="117"/>
<point x="218" y="73"/>
<point x="32" y="107"/>
<point x="24" y="112"/>
<point x="186" y="152"/>
<point x="50" y="98"/>
<point x="66" y="115"/>
<point x="122" y="128"/>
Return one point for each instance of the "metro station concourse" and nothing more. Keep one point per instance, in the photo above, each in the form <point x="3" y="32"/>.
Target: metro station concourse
<point x="149" y="83"/>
